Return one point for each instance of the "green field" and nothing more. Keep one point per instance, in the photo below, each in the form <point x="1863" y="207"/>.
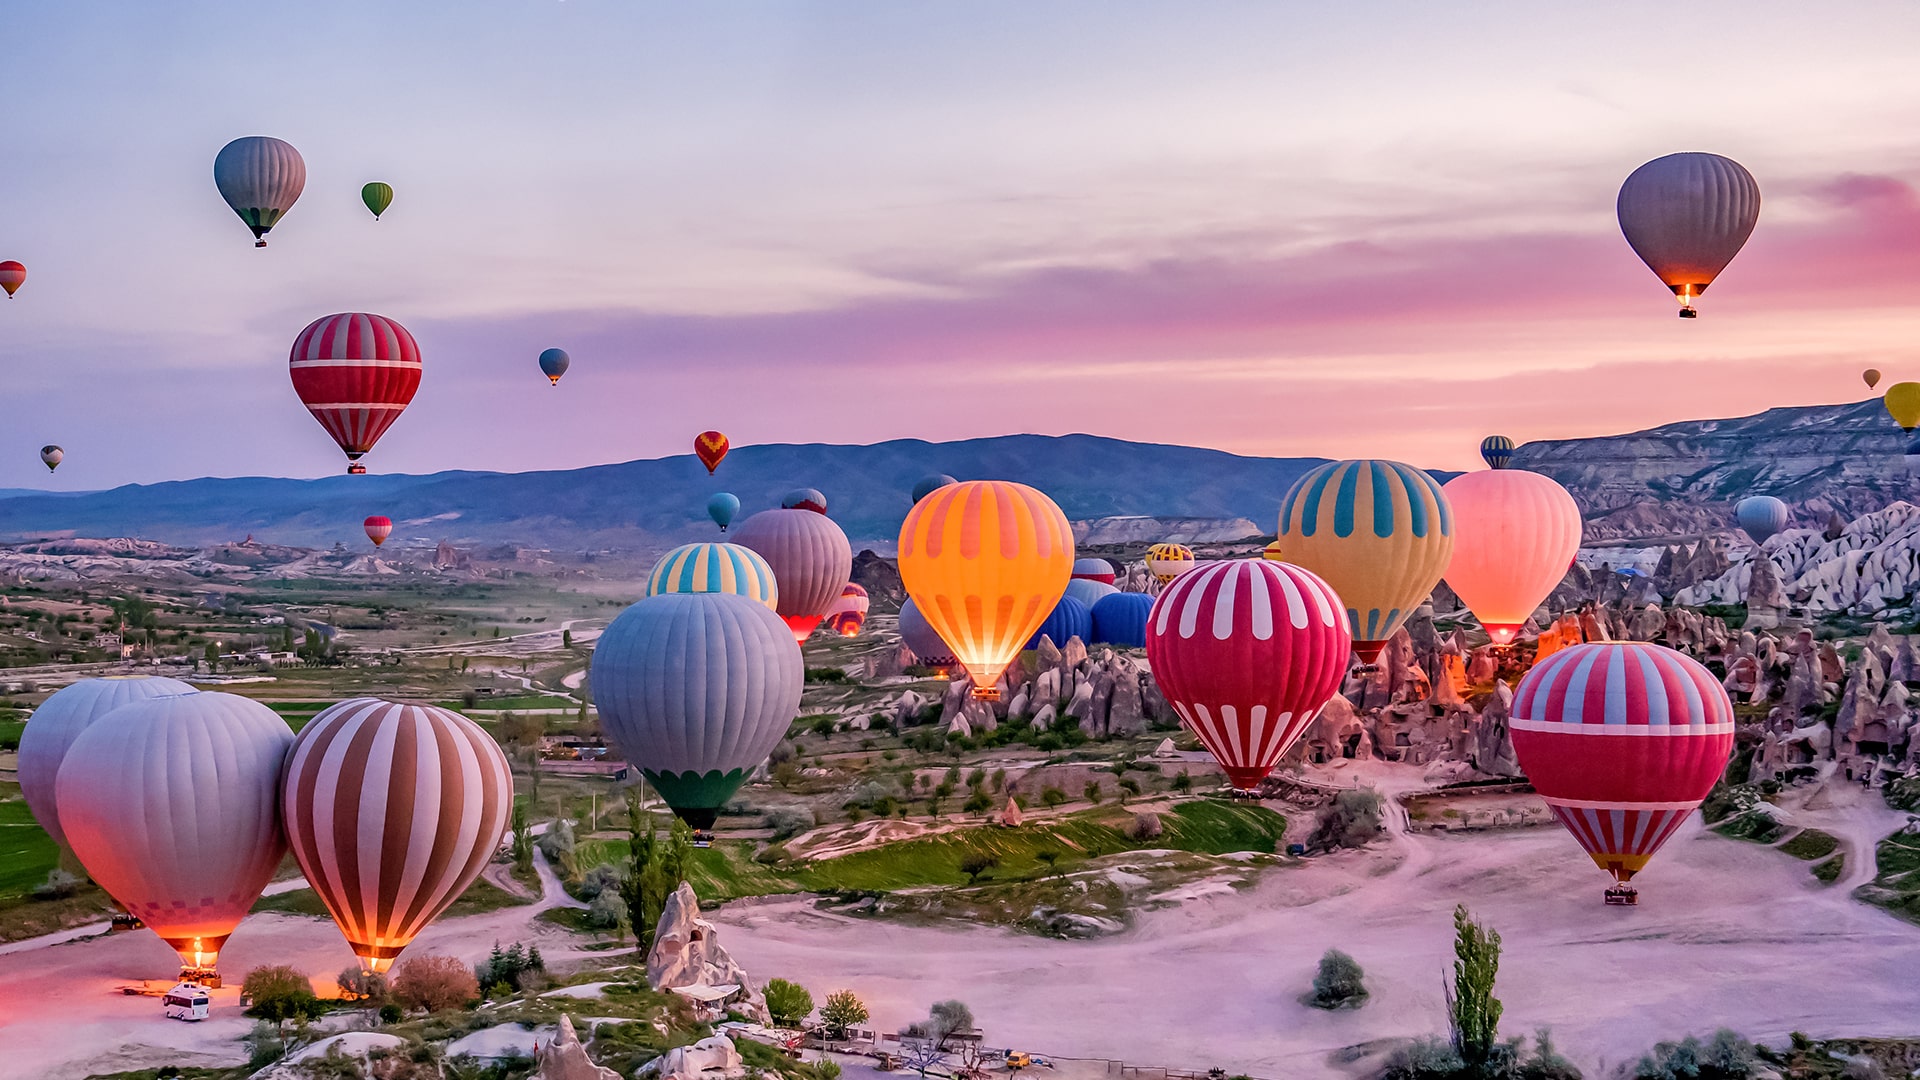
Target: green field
<point x="27" y="853"/>
<point x="727" y="871"/>
<point x="524" y="701"/>
<point x="1897" y="888"/>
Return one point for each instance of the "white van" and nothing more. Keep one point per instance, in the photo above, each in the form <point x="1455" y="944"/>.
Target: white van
<point x="187" y="1001"/>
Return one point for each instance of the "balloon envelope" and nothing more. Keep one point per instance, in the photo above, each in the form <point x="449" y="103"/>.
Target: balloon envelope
<point x="1069" y="619"/>
<point x="715" y="568"/>
<point x="553" y="364"/>
<point x="378" y="527"/>
<point x="804" y="499"/>
<point x="1089" y="591"/>
<point x="260" y="178"/>
<point x="51" y="456"/>
<point x="696" y="689"/>
<point x="721" y="507"/>
<point x="919" y="635"/>
<point x="1272" y="551"/>
<point x="1687" y="216"/>
<point x="377" y="196"/>
<point x="1871" y="377"/>
<point x="1497" y="451"/>
<point x="1623" y="740"/>
<point x="1760" y="516"/>
<point x="172" y="805"/>
<point x="1514" y="535"/>
<point x="810" y="557"/>
<point x="1902" y="400"/>
<point x="355" y="373"/>
<point x="1168" y="561"/>
<point x="927" y="485"/>
<point x="1121" y="619"/>
<point x="985" y="562"/>
<point x="710" y="447"/>
<point x="849" y="613"/>
<point x="1092" y="569"/>
<point x="1247" y="651"/>
<point x="392" y="811"/>
<point x="60" y="719"/>
<point x="13" y="274"/>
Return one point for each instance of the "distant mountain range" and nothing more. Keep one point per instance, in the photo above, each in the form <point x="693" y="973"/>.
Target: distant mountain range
<point x="646" y="505"/>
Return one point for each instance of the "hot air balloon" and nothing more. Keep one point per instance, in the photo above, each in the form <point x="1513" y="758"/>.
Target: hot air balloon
<point x="930" y="484"/>
<point x="1760" y="516"/>
<point x="1871" y="377"/>
<point x="1069" y="619"/>
<point x="1379" y="532"/>
<point x="377" y="196"/>
<point x="804" y="499"/>
<point x="12" y="276"/>
<point x="710" y="447"/>
<point x="1621" y="798"/>
<point x="1092" y="569"/>
<point x="718" y="568"/>
<point x="721" y="508"/>
<point x="260" y="178"/>
<point x="1168" y="561"/>
<point x="553" y="364"/>
<point x="1247" y="651"/>
<point x="1514" y="534"/>
<point x="378" y="527"/>
<point x="696" y="689"/>
<point x="171" y="803"/>
<point x="51" y="456"/>
<point x="1902" y="400"/>
<point x="1686" y="216"/>
<point x="810" y="557"/>
<point x="985" y="562"/>
<point x="1912" y="457"/>
<point x="919" y="635"/>
<point x="1121" y="619"/>
<point x="60" y="719"/>
<point x="849" y="613"/>
<point x="1272" y="552"/>
<point x="1088" y="591"/>
<point x="1497" y="451"/>
<point x="392" y="810"/>
<point x="355" y="373"/>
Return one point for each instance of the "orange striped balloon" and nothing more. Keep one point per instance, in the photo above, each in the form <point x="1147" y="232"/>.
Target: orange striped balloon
<point x="985" y="562"/>
<point x="392" y="811"/>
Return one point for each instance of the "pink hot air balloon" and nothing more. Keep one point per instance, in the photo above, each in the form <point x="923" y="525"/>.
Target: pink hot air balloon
<point x="849" y="613"/>
<point x="811" y="562"/>
<point x="378" y="527"/>
<point x="1514" y="535"/>
<point x="1247" y="651"/>
<point x="1623" y="740"/>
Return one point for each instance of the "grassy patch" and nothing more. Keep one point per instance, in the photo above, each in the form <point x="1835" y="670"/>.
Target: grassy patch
<point x="1756" y="827"/>
<point x="1897" y="887"/>
<point x="1829" y="871"/>
<point x="481" y="897"/>
<point x="1811" y="844"/>
<point x="27" y="853"/>
<point x="524" y="701"/>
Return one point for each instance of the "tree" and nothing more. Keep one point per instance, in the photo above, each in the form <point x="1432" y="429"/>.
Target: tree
<point x="522" y="840"/>
<point x="212" y="653"/>
<point x="1352" y="819"/>
<point x="1052" y="796"/>
<point x="278" y="992"/>
<point x="1092" y="791"/>
<point x="608" y="911"/>
<point x="653" y="869"/>
<point x="842" y="1011"/>
<point x="975" y="863"/>
<point x="1338" y="984"/>
<point x="1049" y="857"/>
<point x="557" y="845"/>
<point x="433" y="983"/>
<point x="1471" y="1006"/>
<point x="947" y="1019"/>
<point x="1727" y="1057"/>
<point x="566" y="639"/>
<point x="788" y="1002"/>
<point x="365" y="987"/>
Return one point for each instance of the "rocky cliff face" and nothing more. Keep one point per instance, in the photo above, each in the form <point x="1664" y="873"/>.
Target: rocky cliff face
<point x="1684" y="478"/>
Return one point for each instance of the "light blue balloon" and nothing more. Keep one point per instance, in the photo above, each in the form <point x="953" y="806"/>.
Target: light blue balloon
<point x="721" y="509"/>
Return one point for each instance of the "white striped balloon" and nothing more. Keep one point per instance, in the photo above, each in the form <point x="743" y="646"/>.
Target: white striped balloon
<point x="392" y="811"/>
<point x="60" y="719"/>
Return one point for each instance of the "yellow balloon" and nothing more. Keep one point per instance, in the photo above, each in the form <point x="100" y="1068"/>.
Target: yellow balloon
<point x="1379" y="532"/>
<point x="1903" y="404"/>
<point x="985" y="562"/>
<point x="1168" y="561"/>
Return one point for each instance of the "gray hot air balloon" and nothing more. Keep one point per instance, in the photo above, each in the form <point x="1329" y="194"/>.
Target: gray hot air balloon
<point x="1089" y="591"/>
<point x="260" y="178"/>
<point x="173" y="806"/>
<point x="696" y="689"/>
<point x="811" y="561"/>
<point x="1687" y="216"/>
<point x="1761" y="516"/>
<point x="930" y="484"/>
<point x="60" y="719"/>
<point x="51" y="456"/>
<point x="920" y="636"/>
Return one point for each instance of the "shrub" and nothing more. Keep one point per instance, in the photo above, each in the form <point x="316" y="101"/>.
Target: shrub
<point x="1726" y="1056"/>
<point x="1338" y="984"/>
<point x="433" y="983"/>
<point x="1352" y="819"/>
<point x="278" y="992"/>
<point x="842" y="1011"/>
<point x="977" y="803"/>
<point x="788" y="822"/>
<point x="824" y="726"/>
<point x="1092" y="791"/>
<point x="605" y="878"/>
<point x="366" y="987"/>
<point x="58" y="886"/>
<point x="608" y="911"/>
<point x="1052" y="796"/>
<point x="1146" y="826"/>
<point x="975" y="863"/>
<point x="788" y="1002"/>
<point x="1182" y="782"/>
<point x="391" y="1013"/>
<point x="264" y="1045"/>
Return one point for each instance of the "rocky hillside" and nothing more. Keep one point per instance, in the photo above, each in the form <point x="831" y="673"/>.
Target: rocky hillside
<point x="1684" y="478"/>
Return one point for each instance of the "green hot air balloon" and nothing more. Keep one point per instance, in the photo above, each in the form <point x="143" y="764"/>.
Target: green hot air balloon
<point x="378" y="197"/>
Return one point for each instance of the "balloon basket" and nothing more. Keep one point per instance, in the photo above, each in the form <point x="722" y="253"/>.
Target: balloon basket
<point x="123" y="921"/>
<point x="986" y="693"/>
<point x="1689" y="313"/>
<point x="702" y="838"/>
<point x="259" y="243"/>
<point x="1623" y="896"/>
<point x="356" y="469"/>
<point x="206" y="977"/>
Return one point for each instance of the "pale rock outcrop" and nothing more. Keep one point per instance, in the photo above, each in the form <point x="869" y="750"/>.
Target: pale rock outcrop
<point x="687" y="952"/>
<point x="565" y="1059"/>
<point x="712" y="1058"/>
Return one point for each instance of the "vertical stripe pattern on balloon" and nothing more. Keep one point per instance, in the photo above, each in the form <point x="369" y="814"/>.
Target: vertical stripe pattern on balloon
<point x="725" y="568"/>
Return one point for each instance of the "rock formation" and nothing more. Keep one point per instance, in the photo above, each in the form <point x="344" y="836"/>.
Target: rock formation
<point x="712" y="1058"/>
<point x="687" y="952"/>
<point x="565" y="1059"/>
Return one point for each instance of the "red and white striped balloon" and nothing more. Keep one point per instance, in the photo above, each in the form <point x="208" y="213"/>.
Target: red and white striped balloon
<point x="378" y="527"/>
<point x="355" y="373"/>
<point x="1623" y="740"/>
<point x="1247" y="652"/>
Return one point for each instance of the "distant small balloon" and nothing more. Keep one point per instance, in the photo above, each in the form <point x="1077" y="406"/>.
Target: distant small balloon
<point x="553" y="364"/>
<point x="1871" y="377"/>
<point x="804" y="499"/>
<point x="12" y="276"/>
<point x="1497" y="450"/>
<point x="1762" y="516"/>
<point x="378" y="197"/>
<point x="710" y="447"/>
<point x="378" y="527"/>
<point x="721" y="508"/>
<point x="51" y="456"/>
<point x="930" y="484"/>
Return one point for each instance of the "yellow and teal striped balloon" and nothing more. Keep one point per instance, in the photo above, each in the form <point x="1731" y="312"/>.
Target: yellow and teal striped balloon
<point x="714" y="568"/>
<point x="1379" y="532"/>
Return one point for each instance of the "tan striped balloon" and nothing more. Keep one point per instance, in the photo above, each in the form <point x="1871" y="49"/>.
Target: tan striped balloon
<point x="392" y="810"/>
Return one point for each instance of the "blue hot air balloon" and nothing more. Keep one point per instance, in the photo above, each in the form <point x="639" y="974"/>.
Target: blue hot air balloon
<point x="721" y="509"/>
<point x="1121" y="619"/>
<point x="553" y="364"/>
<point x="1760" y="516"/>
<point x="804" y="499"/>
<point x="1088" y="591"/>
<point x="1068" y="619"/>
<point x="1497" y="450"/>
<point x="923" y="639"/>
<point x="696" y="689"/>
<point x="930" y="484"/>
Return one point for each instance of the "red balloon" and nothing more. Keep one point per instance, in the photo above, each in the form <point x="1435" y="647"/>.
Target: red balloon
<point x="355" y="373"/>
<point x="1623" y="740"/>
<point x="1247" y="651"/>
<point x="378" y="529"/>
<point x="710" y="447"/>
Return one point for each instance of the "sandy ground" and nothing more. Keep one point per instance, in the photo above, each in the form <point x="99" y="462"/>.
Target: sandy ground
<point x="1727" y="934"/>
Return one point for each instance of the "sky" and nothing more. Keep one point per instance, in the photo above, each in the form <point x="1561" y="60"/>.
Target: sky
<point x="1364" y="229"/>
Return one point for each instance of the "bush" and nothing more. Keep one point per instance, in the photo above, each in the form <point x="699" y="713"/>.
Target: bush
<point x="788" y="822"/>
<point x="1424" y="1059"/>
<point x="391" y="1013"/>
<point x="1182" y="782"/>
<point x="842" y="1011"/>
<point x="605" y="878"/>
<point x="364" y="987"/>
<point x="975" y="863"/>
<point x="788" y="1002"/>
<point x="1146" y="826"/>
<point x="557" y="842"/>
<point x="608" y="911"/>
<point x="1352" y="819"/>
<point x="1052" y="796"/>
<point x="1339" y="984"/>
<point x="58" y="886"/>
<point x="977" y="803"/>
<point x="1726" y="1056"/>
<point x="264" y="1045"/>
<point x="278" y="992"/>
<point x="434" y="983"/>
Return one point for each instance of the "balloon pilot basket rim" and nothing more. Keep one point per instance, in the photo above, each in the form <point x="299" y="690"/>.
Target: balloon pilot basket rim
<point x="356" y="469"/>
<point x="703" y="838"/>
<point x="205" y="976"/>
<point x="986" y="693"/>
<point x="1623" y="895"/>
